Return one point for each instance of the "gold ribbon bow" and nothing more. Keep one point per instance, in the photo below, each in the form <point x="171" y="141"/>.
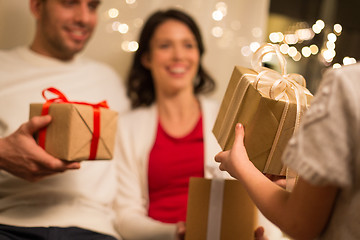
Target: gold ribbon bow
<point x="279" y="86"/>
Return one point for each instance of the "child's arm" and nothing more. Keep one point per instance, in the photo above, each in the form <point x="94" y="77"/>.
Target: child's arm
<point x="302" y="214"/>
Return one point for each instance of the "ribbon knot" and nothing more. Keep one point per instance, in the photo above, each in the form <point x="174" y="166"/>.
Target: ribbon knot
<point x="279" y="85"/>
<point x="61" y="98"/>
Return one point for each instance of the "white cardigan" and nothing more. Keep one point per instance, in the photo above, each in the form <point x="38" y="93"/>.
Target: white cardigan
<point x="137" y="132"/>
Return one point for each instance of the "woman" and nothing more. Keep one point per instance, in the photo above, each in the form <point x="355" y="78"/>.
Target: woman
<point x="167" y="137"/>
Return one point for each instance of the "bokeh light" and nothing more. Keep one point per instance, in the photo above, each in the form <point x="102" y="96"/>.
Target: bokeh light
<point x="217" y="32"/>
<point x="113" y="12"/>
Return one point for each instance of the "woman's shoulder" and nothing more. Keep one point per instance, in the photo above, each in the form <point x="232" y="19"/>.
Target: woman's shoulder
<point x="137" y="127"/>
<point x="209" y="105"/>
<point x="139" y="115"/>
<point x="209" y="102"/>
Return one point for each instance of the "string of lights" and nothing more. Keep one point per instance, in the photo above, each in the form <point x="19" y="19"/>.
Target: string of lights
<point x="297" y="42"/>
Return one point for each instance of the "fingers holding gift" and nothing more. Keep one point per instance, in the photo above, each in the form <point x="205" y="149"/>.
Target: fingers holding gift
<point x="35" y="124"/>
<point x="232" y="160"/>
<point x="22" y="156"/>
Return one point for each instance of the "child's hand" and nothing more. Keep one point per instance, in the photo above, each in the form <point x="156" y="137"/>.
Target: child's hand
<point x="279" y="180"/>
<point x="232" y="160"/>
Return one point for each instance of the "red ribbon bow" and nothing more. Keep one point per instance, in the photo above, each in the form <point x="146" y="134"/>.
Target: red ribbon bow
<point x="62" y="99"/>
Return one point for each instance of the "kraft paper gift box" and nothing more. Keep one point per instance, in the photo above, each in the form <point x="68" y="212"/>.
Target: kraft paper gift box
<point x="69" y="136"/>
<point x="269" y="105"/>
<point x="219" y="209"/>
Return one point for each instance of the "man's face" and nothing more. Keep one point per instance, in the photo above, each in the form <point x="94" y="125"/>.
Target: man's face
<point x="64" y="26"/>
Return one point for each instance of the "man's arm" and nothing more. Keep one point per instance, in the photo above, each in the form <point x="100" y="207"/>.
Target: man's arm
<point x="21" y="156"/>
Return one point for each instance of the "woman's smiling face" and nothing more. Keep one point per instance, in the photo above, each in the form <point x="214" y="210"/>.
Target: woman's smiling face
<point x="173" y="58"/>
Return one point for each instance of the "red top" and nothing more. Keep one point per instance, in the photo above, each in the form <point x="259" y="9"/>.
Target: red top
<point x="172" y="162"/>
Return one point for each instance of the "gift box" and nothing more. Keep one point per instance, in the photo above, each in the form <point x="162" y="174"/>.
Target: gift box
<point x="269" y="104"/>
<point x="78" y="130"/>
<point x="219" y="209"/>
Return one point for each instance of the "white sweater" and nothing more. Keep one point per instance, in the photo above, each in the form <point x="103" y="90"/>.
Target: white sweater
<point x="81" y="198"/>
<point x="137" y="132"/>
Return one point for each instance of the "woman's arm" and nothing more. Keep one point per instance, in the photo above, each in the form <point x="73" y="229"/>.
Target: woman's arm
<point x="302" y="213"/>
<point x="131" y="204"/>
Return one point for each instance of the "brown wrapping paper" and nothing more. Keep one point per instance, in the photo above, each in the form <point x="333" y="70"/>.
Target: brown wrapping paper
<point x="238" y="218"/>
<point x="68" y="136"/>
<point x="268" y="123"/>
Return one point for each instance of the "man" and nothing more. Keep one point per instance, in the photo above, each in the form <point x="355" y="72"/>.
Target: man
<point x="42" y="197"/>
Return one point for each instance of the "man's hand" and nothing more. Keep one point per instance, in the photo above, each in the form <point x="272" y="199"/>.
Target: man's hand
<point x="21" y="156"/>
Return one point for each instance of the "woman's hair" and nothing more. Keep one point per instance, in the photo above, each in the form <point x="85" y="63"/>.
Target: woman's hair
<point x="140" y="84"/>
